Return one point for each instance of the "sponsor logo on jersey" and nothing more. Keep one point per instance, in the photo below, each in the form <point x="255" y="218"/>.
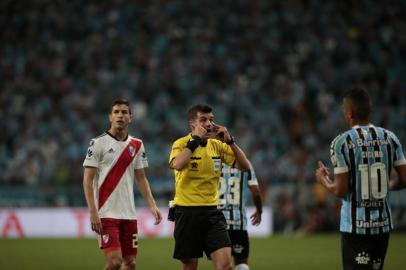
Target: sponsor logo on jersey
<point x="194" y="166"/>
<point x="362" y="258"/>
<point x="372" y="224"/>
<point x="89" y="152"/>
<point x="91" y="143"/>
<point x="217" y="165"/>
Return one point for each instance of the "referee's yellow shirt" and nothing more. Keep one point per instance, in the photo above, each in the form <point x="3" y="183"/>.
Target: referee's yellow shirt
<point x="197" y="183"/>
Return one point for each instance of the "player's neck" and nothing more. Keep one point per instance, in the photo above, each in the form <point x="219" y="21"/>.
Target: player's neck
<point x="120" y="135"/>
<point x="359" y="123"/>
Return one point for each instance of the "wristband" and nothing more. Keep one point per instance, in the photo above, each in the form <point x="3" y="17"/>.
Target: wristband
<point x="193" y="143"/>
<point x="231" y="141"/>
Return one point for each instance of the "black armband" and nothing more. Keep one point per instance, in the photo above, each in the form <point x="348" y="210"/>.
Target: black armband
<point x="193" y="143"/>
<point x="231" y="141"/>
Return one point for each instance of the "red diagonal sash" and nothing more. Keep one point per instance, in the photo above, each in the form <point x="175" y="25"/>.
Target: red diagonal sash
<point x="116" y="172"/>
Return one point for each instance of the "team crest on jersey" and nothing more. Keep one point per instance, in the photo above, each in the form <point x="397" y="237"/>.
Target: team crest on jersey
<point x="132" y="150"/>
<point x="105" y="238"/>
<point x="91" y="143"/>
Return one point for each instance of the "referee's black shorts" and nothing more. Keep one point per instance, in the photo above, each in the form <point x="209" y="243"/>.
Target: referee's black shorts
<point x="198" y="229"/>
<point x="361" y="252"/>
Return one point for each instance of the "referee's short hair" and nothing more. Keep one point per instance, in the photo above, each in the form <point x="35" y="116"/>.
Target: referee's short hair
<point x="360" y="103"/>
<point x="203" y="108"/>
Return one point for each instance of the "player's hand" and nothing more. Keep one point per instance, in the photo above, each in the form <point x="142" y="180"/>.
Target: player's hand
<point x="323" y="174"/>
<point x="157" y="215"/>
<point x="222" y="133"/>
<point x="256" y="218"/>
<point x="95" y="222"/>
<point x="199" y="131"/>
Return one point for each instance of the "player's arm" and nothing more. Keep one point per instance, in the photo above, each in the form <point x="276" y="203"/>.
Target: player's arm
<point x="145" y="190"/>
<point x="338" y="186"/>
<point x="88" y="177"/>
<point x="400" y="181"/>
<point x="183" y="158"/>
<point x="256" y="197"/>
<point x="241" y="161"/>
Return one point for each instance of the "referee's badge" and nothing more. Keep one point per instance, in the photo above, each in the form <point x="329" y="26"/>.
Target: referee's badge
<point x="217" y="165"/>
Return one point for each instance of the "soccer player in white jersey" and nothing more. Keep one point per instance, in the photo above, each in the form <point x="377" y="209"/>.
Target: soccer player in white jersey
<point x="363" y="158"/>
<point x="234" y="189"/>
<point x="112" y="162"/>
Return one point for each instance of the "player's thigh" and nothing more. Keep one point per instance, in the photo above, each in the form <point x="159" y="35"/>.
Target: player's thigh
<point x="188" y="233"/>
<point x="216" y="236"/>
<point x="239" y="245"/>
<point x="109" y="239"/>
<point x="128" y="237"/>
<point x="356" y="252"/>
<point x="380" y="246"/>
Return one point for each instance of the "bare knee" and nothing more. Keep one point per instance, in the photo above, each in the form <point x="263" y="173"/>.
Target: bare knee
<point x="129" y="263"/>
<point x="114" y="263"/>
<point x="189" y="264"/>
<point x="224" y="266"/>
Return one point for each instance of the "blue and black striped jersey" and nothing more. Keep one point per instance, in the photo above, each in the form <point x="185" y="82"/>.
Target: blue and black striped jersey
<point x="233" y="195"/>
<point x="368" y="154"/>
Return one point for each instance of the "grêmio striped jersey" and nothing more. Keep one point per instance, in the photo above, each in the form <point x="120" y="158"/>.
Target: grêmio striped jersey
<point x="368" y="154"/>
<point x="233" y="195"/>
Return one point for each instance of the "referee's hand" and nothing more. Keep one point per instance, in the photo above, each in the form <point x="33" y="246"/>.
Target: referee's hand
<point x="199" y="131"/>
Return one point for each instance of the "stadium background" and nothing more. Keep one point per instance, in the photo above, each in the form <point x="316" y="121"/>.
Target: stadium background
<point x="274" y="71"/>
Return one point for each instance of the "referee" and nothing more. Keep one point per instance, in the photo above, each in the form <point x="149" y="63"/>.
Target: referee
<point x="197" y="160"/>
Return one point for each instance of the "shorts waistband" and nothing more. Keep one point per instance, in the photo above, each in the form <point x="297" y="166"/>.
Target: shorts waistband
<point x="193" y="208"/>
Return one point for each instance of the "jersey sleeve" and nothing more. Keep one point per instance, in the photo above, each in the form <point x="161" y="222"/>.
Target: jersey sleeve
<point x="177" y="147"/>
<point x="399" y="157"/>
<point x="227" y="154"/>
<point x="141" y="160"/>
<point x="338" y="151"/>
<point x="93" y="155"/>
<point x="252" y="177"/>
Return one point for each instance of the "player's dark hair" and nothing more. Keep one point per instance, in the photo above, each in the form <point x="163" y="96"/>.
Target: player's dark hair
<point x="360" y="103"/>
<point x="120" y="101"/>
<point x="203" y="108"/>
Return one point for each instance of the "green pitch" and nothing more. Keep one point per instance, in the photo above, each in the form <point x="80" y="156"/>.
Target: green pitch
<point x="277" y="252"/>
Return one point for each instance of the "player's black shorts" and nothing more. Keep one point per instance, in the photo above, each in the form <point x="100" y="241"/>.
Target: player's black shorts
<point x="198" y="229"/>
<point x="363" y="251"/>
<point x="239" y="243"/>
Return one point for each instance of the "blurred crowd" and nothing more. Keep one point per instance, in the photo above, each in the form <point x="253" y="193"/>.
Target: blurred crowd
<point x="274" y="72"/>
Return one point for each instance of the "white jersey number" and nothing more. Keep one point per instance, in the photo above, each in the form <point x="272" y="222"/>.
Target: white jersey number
<point x="233" y="196"/>
<point x="373" y="177"/>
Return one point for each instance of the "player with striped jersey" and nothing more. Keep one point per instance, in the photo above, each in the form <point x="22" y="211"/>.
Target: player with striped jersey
<point x="112" y="162"/>
<point x="363" y="158"/>
<point x="234" y="189"/>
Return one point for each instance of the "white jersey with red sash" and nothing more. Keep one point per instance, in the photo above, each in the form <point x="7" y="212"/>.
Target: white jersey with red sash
<point x="113" y="183"/>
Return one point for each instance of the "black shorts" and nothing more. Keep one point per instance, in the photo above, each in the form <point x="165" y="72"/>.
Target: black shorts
<point x="363" y="251"/>
<point x="198" y="229"/>
<point x="239" y="243"/>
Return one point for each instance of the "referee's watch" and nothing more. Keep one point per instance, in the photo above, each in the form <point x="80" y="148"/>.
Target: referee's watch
<point x="231" y="141"/>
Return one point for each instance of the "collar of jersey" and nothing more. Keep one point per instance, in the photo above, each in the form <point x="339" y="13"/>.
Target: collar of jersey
<point x="111" y="135"/>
